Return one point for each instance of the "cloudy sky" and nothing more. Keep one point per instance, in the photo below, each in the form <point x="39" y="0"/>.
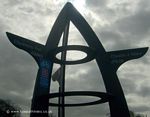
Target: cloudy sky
<point x="118" y="24"/>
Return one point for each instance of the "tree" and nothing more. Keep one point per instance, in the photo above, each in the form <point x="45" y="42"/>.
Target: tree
<point x="139" y="115"/>
<point x="52" y="115"/>
<point x="132" y="114"/>
<point x="8" y="109"/>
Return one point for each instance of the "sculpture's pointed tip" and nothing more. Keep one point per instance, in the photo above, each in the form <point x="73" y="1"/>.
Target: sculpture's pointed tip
<point x="68" y="4"/>
<point x="146" y="48"/>
<point x="8" y="34"/>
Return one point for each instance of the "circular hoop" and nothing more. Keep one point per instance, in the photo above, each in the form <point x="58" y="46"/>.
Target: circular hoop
<point x="89" y="51"/>
<point x="104" y="97"/>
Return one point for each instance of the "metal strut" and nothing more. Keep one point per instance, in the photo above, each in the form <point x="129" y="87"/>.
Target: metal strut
<point x="61" y="109"/>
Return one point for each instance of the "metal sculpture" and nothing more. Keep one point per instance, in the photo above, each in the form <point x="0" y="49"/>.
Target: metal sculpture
<point x="45" y="56"/>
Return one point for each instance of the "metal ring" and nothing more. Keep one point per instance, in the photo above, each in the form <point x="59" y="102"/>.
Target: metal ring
<point x="89" y="51"/>
<point x="104" y="97"/>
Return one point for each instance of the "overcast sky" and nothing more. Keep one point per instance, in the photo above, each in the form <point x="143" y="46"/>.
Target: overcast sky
<point x="118" y="24"/>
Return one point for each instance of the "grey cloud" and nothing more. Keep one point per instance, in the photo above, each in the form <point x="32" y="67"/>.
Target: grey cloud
<point x="110" y="35"/>
<point x="89" y="111"/>
<point x="131" y="81"/>
<point x="124" y="31"/>
<point x="90" y="80"/>
<point x="143" y="5"/>
<point x="131" y="30"/>
<point x="113" y="40"/>
<point x="27" y="9"/>
<point x="13" y="2"/>
<point x="129" y="86"/>
<point x="136" y="26"/>
<point x="144" y="91"/>
<point x="96" y="3"/>
<point x="35" y="9"/>
<point x="140" y="109"/>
